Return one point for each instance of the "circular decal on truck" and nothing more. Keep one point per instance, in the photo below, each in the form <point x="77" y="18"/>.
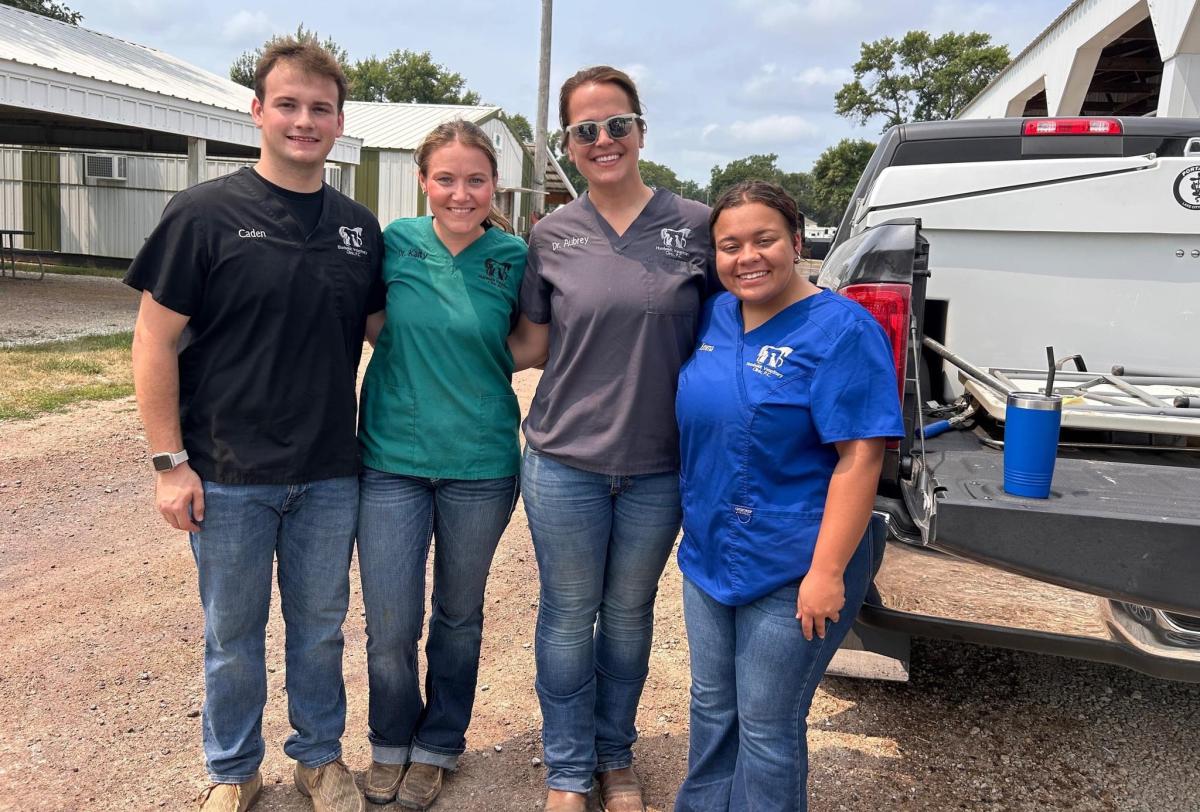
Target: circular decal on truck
<point x="1187" y="188"/>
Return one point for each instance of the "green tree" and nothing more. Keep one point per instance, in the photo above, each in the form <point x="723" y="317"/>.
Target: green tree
<point x="519" y="125"/>
<point x="661" y="176"/>
<point x="555" y="144"/>
<point x="47" y="8"/>
<point x="752" y="167"/>
<point x="764" y="167"/>
<point x="919" y="78"/>
<point x="800" y="186"/>
<point x="834" y="176"/>
<point x="401" y="76"/>
<point x="242" y="69"/>
<point x="408" y="76"/>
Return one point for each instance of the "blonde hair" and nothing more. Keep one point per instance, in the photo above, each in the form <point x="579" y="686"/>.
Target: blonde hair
<point x="471" y="135"/>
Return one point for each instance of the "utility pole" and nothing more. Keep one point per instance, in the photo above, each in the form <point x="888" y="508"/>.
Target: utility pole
<point x="543" y="103"/>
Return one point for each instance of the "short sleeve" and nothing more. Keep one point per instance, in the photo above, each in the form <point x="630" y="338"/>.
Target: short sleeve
<point x="535" y="293"/>
<point x="377" y="293"/>
<point x="853" y="394"/>
<point x="173" y="263"/>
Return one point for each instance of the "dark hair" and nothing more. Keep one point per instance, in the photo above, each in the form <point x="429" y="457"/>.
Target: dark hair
<point x="306" y="55"/>
<point x="471" y="135"/>
<point x="771" y="195"/>
<point x="597" y="75"/>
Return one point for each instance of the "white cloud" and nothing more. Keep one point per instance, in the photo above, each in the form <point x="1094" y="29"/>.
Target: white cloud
<point x="768" y="130"/>
<point x="811" y="88"/>
<point x="799" y="15"/>
<point x="247" y="28"/>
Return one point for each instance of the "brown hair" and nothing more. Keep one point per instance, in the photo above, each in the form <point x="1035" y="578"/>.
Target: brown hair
<point x="771" y="195"/>
<point x="471" y="135"/>
<point x="306" y="55"/>
<point x="597" y="75"/>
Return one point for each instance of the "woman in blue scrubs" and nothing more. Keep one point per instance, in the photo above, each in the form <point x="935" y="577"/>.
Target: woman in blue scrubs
<point x="783" y="412"/>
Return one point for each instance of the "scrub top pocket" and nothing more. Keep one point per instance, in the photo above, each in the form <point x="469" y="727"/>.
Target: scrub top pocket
<point x="672" y="287"/>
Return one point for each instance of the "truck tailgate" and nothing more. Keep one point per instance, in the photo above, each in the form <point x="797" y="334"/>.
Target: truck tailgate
<point x="1115" y="528"/>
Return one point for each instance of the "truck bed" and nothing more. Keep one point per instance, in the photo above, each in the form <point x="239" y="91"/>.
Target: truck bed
<point x="1120" y="523"/>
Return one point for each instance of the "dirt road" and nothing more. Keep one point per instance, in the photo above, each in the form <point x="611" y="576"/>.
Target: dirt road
<point x="100" y="677"/>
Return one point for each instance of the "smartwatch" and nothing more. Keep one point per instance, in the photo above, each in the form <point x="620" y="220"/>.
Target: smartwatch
<point x="167" y="460"/>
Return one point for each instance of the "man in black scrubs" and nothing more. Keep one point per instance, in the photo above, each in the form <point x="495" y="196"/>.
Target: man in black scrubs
<point x="255" y="291"/>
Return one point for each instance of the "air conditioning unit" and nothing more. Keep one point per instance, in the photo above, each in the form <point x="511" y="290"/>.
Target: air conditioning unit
<point x="105" y="167"/>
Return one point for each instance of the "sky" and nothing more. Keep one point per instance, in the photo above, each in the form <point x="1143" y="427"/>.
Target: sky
<point x="719" y="79"/>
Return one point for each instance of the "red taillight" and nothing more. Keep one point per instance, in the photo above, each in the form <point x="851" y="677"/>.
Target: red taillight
<point x="890" y="304"/>
<point x="1072" y="126"/>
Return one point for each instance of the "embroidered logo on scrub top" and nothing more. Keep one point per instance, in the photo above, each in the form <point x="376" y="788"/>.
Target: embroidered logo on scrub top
<point x="495" y="272"/>
<point x="351" y="240"/>
<point x="769" y="360"/>
<point x="674" y="242"/>
<point x="418" y="254"/>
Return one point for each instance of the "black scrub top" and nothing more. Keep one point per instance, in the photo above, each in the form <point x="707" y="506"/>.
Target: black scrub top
<point x="269" y="357"/>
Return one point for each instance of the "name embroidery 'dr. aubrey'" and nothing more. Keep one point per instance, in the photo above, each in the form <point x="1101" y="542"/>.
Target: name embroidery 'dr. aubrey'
<point x="770" y="360"/>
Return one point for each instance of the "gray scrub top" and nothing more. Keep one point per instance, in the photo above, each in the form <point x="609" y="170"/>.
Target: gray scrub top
<point x="623" y="313"/>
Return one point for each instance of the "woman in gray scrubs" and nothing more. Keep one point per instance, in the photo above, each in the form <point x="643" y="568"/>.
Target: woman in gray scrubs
<point x="610" y="303"/>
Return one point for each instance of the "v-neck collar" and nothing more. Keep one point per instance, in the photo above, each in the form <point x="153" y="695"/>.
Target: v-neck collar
<point x="740" y="326"/>
<point x="475" y="244"/>
<point x="282" y="213"/>
<point x="620" y="241"/>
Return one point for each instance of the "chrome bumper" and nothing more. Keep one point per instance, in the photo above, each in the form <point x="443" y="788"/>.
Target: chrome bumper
<point x="928" y="593"/>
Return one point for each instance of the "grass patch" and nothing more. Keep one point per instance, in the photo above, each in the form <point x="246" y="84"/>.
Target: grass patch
<point x="26" y="268"/>
<point x="40" y="378"/>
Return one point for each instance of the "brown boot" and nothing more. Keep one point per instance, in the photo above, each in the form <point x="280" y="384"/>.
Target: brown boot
<point x="382" y="782"/>
<point x="561" y="801"/>
<point x="620" y="791"/>
<point x="331" y="787"/>
<point x="230" y="797"/>
<point x="420" y="786"/>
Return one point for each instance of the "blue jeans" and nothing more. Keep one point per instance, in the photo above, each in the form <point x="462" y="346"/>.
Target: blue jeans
<point x="309" y="528"/>
<point x="398" y="516"/>
<point x="601" y="544"/>
<point x="753" y="680"/>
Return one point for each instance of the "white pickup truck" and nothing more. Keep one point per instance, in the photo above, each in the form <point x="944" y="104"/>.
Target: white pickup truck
<point x="978" y="244"/>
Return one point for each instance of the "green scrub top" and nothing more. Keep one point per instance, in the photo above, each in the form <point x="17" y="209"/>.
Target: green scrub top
<point x="437" y="399"/>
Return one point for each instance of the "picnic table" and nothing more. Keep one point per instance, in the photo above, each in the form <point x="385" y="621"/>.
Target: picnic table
<point x="8" y="239"/>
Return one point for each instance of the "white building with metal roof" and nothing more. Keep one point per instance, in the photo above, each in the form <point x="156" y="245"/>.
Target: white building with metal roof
<point x="386" y="180"/>
<point x="97" y="134"/>
<point x="1104" y="57"/>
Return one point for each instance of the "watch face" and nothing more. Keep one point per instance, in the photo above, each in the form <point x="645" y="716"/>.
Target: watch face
<point x="162" y="462"/>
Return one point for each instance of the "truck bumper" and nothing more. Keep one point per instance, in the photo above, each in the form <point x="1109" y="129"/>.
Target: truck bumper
<point x="926" y="593"/>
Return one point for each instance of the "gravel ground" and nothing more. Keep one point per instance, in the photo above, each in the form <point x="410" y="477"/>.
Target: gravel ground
<point x="63" y="306"/>
<point x="100" y="671"/>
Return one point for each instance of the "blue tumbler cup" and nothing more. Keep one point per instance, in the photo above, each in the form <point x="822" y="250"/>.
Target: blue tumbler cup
<point x="1031" y="425"/>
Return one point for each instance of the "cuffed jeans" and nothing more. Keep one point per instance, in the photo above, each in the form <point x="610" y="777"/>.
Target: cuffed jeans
<point x="753" y="680"/>
<point x="309" y="528"/>
<point x="398" y="516"/>
<point x="601" y="544"/>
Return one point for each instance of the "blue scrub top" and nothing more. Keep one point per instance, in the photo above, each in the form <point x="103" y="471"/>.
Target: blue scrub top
<point x="759" y="414"/>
